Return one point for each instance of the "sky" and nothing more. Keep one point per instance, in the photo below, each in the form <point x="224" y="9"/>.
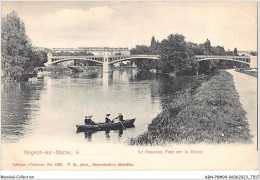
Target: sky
<point x="127" y="24"/>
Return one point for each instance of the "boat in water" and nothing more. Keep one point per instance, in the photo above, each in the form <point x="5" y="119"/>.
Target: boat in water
<point x="128" y="123"/>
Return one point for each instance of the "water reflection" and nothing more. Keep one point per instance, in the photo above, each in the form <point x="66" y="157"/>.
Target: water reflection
<point x="119" y="131"/>
<point x="88" y="135"/>
<point x="19" y="105"/>
<point x="107" y="134"/>
<point x="107" y="79"/>
<point x="86" y="74"/>
<point x="51" y="106"/>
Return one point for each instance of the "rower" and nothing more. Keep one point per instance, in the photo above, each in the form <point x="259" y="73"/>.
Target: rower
<point x="107" y="118"/>
<point x="120" y="117"/>
<point x="88" y="120"/>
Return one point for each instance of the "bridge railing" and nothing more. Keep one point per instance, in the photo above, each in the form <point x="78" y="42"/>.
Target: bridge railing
<point x="245" y="59"/>
<point x="76" y="56"/>
<point x="231" y="57"/>
<point x="143" y="55"/>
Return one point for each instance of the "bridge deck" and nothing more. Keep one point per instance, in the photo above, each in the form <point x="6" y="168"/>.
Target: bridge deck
<point x="116" y="58"/>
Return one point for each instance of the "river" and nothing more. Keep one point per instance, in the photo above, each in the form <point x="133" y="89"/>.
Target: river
<point x="49" y="107"/>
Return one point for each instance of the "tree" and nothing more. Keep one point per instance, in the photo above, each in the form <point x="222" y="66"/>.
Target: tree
<point x="140" y="49"/>
<point x="175" y="56"/>
<point x="253" y="53"/>
<point x="218" y="50"/>
<point x="16" y="47"/>
<point x="235" y="52"/>
<point x="146" y="64"/>
<point x="208" y="48"/>
<point x="230" y="53"/>
<point x="195" y="48"/>
<point x="153" y="41"/>
<point x="38" y="58"/>
<point x="154" y="46"/>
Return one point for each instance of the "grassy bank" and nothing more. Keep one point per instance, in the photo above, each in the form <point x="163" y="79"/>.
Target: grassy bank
<point x="211" y="113"/>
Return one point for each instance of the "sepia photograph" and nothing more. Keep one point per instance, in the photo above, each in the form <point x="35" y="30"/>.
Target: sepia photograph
<point x="129" y="86"/>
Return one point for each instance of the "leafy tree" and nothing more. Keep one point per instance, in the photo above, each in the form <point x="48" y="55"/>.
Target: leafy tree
<point x="15" y="46"/>
<point x="218" y="50"/>
<point x="195" y="48"/>
<point x="140" y="49"/>
<point x="146" y="64"/>
<point x="175" y="56"/>
<point x="153" y="41"/>
<point x="18" y="57"/>
<point x="207" y="47"/>
<point x="154" y="46"/>
<point x="230" y="53"/>
<point x="38" y="58"/>
<point x="253" y="53"/>
<point x="235" y="52"/>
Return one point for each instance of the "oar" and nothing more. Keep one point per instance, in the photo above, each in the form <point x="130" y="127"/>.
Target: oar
<point x="122" y="124"/>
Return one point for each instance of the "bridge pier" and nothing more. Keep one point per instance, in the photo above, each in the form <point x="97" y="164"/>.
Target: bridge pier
<point x="49" y="55"/>
<point x="133" y="64"/>
<point x="106" y="66"/>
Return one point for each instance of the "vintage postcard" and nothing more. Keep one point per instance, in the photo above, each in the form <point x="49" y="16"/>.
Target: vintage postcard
<point x="129" y="85"/>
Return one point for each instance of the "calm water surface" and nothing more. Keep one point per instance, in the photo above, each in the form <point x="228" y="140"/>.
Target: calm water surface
<point x="48" y="109"/>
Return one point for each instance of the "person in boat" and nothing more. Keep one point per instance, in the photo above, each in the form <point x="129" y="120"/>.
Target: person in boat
<point x="88" y="120"/>
<point x="120" y="117"/>
<point x="107" y="118"/>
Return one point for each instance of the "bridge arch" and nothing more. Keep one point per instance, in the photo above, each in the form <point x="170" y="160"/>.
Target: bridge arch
<point x="70" y="59"/>
<point x="225" y="59"/>
<point x="131" y="58"/>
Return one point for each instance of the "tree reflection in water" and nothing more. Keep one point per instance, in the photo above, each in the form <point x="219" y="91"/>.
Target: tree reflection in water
<point x="19" y="102"/>
<point x="165" y="85"/>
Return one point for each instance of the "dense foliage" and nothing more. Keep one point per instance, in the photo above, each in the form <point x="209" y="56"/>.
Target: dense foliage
<point x="147" y="64"/>
<point x="175" y="56"/>
<point x="254" y="53"/>
<point x="178" y="55"/>
<point x="18" y="56"/>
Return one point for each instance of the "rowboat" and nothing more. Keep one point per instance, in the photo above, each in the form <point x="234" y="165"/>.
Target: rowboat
<point x="106" y="126"/>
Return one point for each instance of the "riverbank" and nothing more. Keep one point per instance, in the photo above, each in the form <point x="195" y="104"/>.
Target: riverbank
<point x="246" y="87"/>
<point x="250" y="72"/>
<point x="211" y="113"/>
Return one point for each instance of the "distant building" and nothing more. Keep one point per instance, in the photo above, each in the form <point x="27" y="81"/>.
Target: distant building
<point x="96" y="50"/>
<point x="253" y="59"/>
